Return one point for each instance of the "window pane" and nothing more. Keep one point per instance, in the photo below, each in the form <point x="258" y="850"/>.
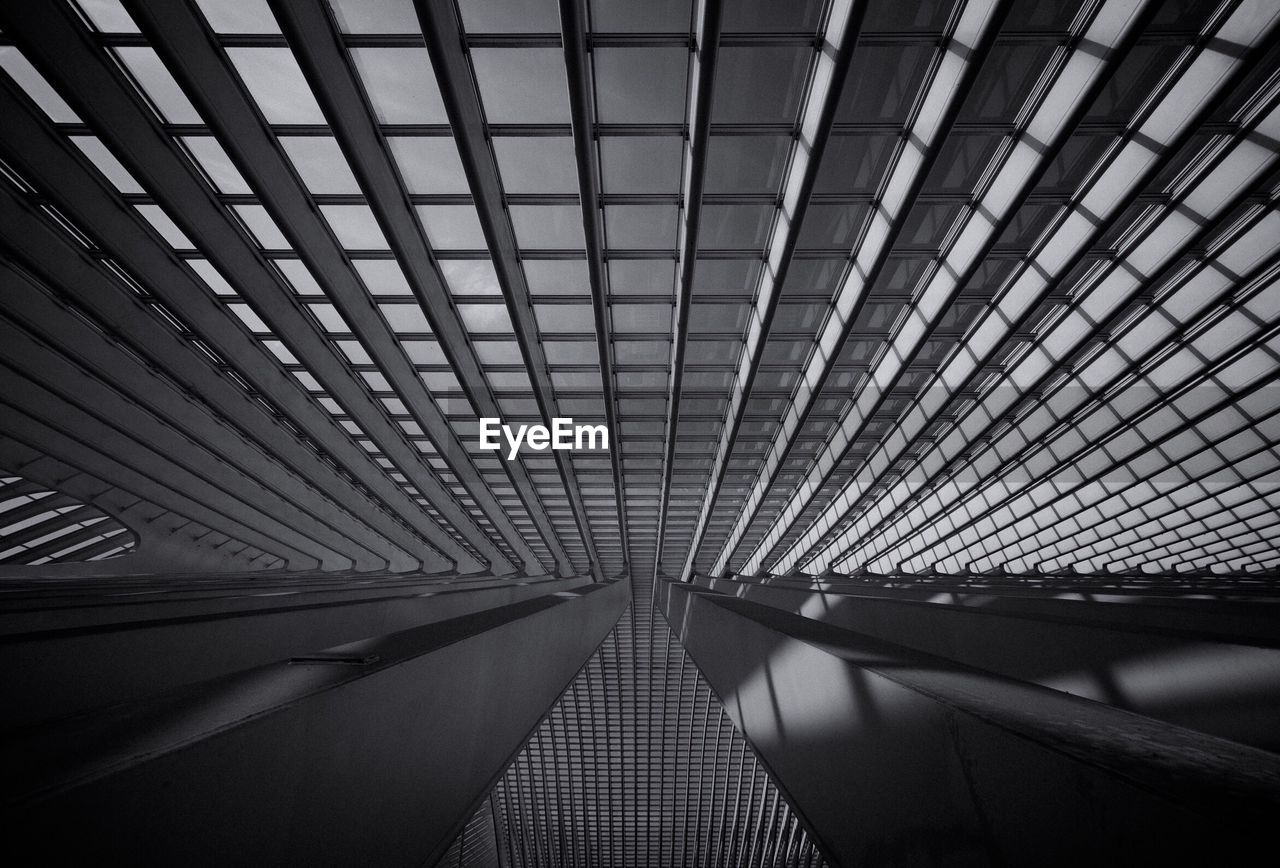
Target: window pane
<point x="382" y="276"/>
<point x="537" y="164"/>
<point x="652" y="16"/>
<point x="486" y="318"/>
<point x="168" y="230"/>
<point x="641" y="226"/>
<point x="407" y="317"/>
<point x="470" y="276"/>
<point x="510" y="16"/>
<point x="107" y="164"/>
<point x="158" y="84"/>
<point x="400" y="84"/>
<point x="239" y="16"/>
<point x="557" y="276"/>
<point x="355" y="226"/>
<point x="264" y="229"/>
<point x="641" y="276"/>
<point x="760" y="84"/>
<point x="375" y="16"/>
<point x="299" y="277"/>
<point x="746" y="164"/>
<point x="429" y="164"/>
<point x="277" y="84"/>
<point x="320" y="163"/>
<point x="452" y="227"/>
<point x="641" y="85"/>
<point x="522" y="85"/>
<point x="109" y="16"/>
<point x="547" y="226"/>
<point x="208" y="152"/>
<point x="641" y="164"/>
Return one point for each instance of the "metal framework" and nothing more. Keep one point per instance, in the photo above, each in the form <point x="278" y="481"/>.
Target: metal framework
<point x="943" y="294"/>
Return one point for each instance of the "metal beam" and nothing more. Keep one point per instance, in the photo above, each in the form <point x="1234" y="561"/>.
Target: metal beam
<point x="458" y="89"/>
<point x="90" y="648"/>
<point x="706" y="44"/>
<point x="168" y="543"/>
<point x="873" y="741"/>
<point x="27" y="238"/>
<point x="69" y="356"/>
<point x="199" y="64"/>
<point x="573" y="28"/>
<point x="64" y="51"/>
<point x="834" y="57"/>
<point x="803" y="399"/>
<point x="319" y="49"/>
<point x="368" y="751"/>
<point x="40" y="420"/>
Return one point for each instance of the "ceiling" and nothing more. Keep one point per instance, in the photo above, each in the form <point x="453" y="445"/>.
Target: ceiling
<point x="961" y="285"/>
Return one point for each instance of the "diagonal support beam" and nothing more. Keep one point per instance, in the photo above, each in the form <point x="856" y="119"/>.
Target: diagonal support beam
<point x="573" y="29"/>
<point x="68" y="357"/>
<point x="443" y="33"/>
<point x="317" y="44"/>
<point x="958" y="61"/>
<point x="58" y="262"/>
<point x="64" y="51"/>
<point x="840" y="37"/>
<point x="193" y="55"/>
<point x="703" y="76"/>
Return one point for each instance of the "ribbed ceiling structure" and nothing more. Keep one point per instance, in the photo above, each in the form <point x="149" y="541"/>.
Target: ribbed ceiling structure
<point x="860" y="288"/>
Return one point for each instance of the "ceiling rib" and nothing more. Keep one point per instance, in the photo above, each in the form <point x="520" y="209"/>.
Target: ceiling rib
<point x="197" y="62"/>
<point x="702" y="81"/>
<point x="38" y="152"/>
<point x="839" y="41"/>
<point x="66" y="55"/>
<point x="573" y="23"/>
<point x="442" y="30"/>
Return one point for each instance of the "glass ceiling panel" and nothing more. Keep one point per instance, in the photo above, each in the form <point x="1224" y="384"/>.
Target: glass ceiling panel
<point x="642" y="276"/>
<point x="746" y="164"/>
<point x="452" y="227"/>
<point x="759" y="84"/>
<point x="547" y="227"/>
<point x="157" y="82"/>
<point x="429" y="165"/>
<point x="109" y="16"/>
<point x="641" y="85"/>
<point x="470" y="276"/>
<point x="522" y="85"/>
<point x="375" y="16"/>
<point x="536" y="164"/>
<point x="320" y="164"/>
<point x="239" y="16"/>
<point x="211" y="157"/>
<point x="400" y="85"/>
<point x="557" y="276"/>
<point x="382" y="276"/>
<point x="355" y="226"/>
<point x="641" y="164"/>
<point x="277" y="84"/>
<point x="510" y="16"/>
<point x="653" y="16"/>
<point x="106" y="163"/>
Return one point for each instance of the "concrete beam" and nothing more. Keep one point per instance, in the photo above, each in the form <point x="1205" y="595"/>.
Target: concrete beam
<point x="374" y="751"/>
<point x="898" y="757"/>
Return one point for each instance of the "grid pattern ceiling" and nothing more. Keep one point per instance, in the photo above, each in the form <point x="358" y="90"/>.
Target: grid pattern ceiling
<point x="871" y="284"/>
<point x="855" y="284"/>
